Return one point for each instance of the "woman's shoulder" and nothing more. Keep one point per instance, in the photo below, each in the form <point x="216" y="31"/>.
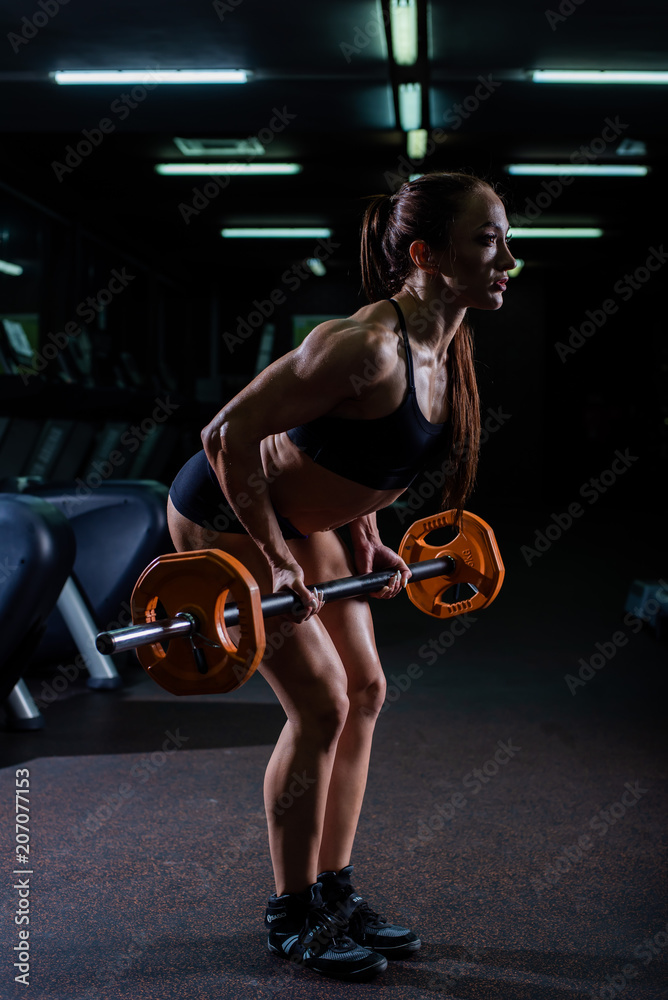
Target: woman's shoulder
<point x="366" y="336"/>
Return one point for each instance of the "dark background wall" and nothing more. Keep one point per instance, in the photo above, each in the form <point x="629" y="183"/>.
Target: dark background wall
<point x="170" y="330"/>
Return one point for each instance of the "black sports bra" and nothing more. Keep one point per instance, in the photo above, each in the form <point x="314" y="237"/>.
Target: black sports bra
<point x="383" y="453"/>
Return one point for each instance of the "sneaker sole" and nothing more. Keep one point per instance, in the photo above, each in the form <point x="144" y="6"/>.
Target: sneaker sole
<point x="398" y="952"/>
<point x="360" y="976"/>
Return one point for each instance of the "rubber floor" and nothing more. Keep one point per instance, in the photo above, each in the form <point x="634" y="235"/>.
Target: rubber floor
<point x="515" y="814"/>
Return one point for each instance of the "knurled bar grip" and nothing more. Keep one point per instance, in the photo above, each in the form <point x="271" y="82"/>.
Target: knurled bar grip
<point x="123" y="639"/>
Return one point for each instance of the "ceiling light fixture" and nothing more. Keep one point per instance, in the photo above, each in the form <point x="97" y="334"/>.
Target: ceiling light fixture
<point x="416" y="143"/>
<point x="14" y="269"/>
<point x="576" y="170"/>
<point x="231" y="169"/>
<point x="598" y="76"/>
<point x="316" y="267"/>
<point x="125" y="76"/>
<point x="554" y="232"/>
<point x="285" y="232"/>
<point x="404" y="31"/>
<point x="410" y="106"/>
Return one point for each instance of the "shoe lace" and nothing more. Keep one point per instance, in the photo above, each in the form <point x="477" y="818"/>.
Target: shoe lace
<point x="364" y="916"/>
<point x="326" y="928"/>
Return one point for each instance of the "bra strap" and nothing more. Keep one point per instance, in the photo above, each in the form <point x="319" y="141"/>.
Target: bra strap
<point x="407" y="345"/>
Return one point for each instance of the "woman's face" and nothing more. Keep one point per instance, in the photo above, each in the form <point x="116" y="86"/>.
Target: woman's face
<point x="479" y="257"/>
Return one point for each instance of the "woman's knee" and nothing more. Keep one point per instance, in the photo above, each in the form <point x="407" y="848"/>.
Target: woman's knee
<point x="321" y="718"/>
<point x="368" y="698"/>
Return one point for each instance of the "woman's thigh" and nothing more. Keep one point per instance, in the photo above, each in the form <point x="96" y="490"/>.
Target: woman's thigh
<point x="331" y="654"/>
<point x="349" y="622"/>
<point x="301" y="663"/>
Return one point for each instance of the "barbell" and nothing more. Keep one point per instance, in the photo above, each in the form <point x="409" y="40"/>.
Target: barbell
<point x="206" y="592"/>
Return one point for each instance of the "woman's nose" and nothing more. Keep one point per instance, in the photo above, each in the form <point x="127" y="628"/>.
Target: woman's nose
<point x="507" y="258"/>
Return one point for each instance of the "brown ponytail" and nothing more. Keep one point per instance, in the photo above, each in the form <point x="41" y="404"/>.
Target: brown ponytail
<point x="375" y="275"/>
<point x="424" y="209"/>
<point x="465" y="421"/>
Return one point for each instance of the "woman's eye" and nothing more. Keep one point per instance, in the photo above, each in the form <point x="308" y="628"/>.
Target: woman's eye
<point x="492" y="236"/>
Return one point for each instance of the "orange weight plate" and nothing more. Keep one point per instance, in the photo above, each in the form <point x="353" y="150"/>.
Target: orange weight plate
<point x="199" y="582"/>
<point x="477" y="562"/>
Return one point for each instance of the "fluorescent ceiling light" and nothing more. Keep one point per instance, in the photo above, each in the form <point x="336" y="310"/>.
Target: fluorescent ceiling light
<point x="232" y="169"/>
<point x="410" y="106"/>
<point x="14" y="269"/>
<point x="404" y="33"/>
<point x="546" y="232"/>
<point x="417" y="143"/>
<point x="576" y="170"/>
<point x="220" y="147"/>
<point x="276" y="232"/>
<point x="598" y="76"/>
<point x="123" y="76"/>
<point x="317" y="267"/>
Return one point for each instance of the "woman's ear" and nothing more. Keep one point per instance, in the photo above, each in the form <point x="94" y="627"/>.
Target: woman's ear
<point x="422" y="257"/>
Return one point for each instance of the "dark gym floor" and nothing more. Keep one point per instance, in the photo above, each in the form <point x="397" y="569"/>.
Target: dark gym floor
<point x="545" y="879"/>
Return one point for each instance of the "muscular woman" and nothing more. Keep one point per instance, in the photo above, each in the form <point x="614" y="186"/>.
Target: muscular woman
<point x="327" y="435"/>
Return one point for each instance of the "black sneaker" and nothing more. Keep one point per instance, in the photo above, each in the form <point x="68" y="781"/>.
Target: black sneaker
<point x="365" y="926"/>
<point x="303" y="931"/>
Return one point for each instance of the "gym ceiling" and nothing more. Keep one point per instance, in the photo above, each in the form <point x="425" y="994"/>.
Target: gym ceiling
<point x="323" y="93"/>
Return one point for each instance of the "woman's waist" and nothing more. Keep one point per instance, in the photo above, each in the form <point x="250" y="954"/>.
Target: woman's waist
<point x="309" y="519"/>
<point x="314" y="502"/>
<point x="314" y="498"/>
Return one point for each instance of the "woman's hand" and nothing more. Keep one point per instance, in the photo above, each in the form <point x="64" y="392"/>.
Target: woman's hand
<point x="290" y="576"/>
<point x="374" y="558"/>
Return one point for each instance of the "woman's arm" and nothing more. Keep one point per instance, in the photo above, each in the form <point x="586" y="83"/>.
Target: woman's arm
<point x="371" y="555"/>
<point x="302" y="385"/>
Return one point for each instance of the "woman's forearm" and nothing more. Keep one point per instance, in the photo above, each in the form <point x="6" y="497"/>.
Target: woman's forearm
<point x="371" y="554"/>
<point x="236" y="465"/>
<point x="364" y="531"/>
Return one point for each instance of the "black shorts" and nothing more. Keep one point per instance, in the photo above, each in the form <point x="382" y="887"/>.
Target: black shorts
<point x="196" y="494"/>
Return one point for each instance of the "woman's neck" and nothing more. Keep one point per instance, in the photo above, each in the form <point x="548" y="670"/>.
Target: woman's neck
<point x="432" y="318"/>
